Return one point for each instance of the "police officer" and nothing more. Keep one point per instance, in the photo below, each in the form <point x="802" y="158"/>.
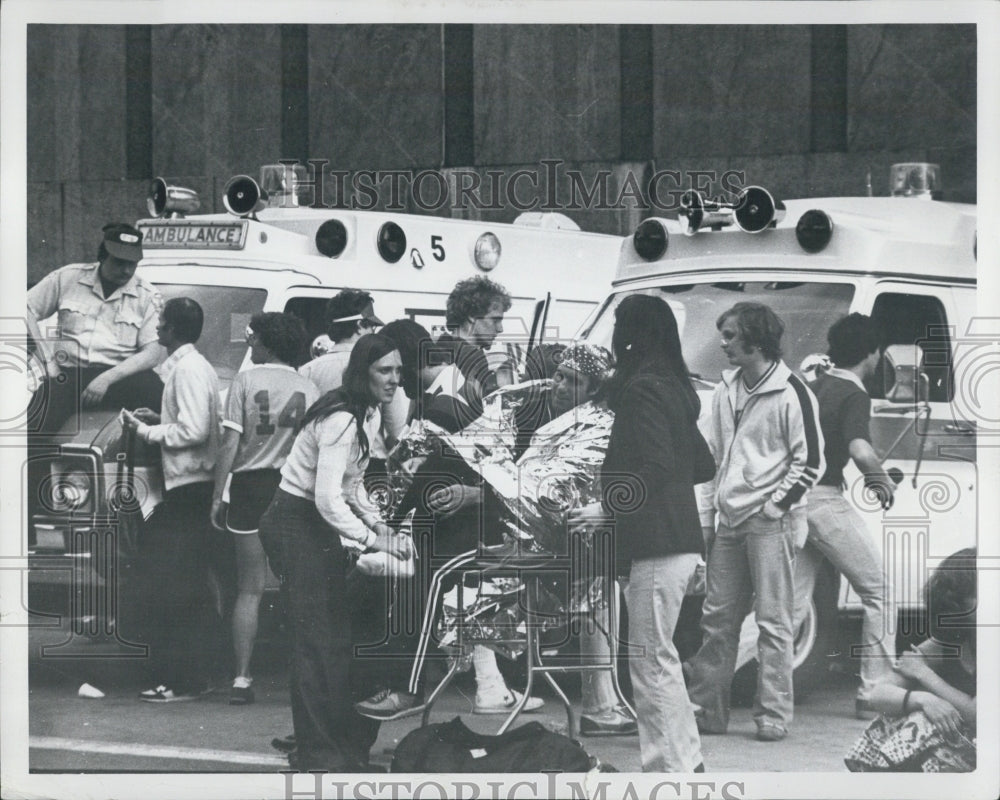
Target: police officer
<point x="107" y="343"/>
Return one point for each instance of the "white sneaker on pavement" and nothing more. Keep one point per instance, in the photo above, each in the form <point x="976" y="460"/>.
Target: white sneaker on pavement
<point x="502" y="701"/>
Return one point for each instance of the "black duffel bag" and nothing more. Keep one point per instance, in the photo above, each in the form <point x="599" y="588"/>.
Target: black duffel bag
<point x="452" y="747"/>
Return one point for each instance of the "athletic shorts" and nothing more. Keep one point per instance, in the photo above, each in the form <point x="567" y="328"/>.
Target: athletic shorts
<point x="250" y="494"/>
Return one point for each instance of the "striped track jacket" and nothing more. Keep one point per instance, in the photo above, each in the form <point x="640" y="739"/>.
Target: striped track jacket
<point x="776" y="451"/>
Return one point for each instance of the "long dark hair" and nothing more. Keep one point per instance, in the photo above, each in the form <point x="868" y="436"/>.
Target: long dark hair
<point x="354" y="394"/>
<point x="646" y="339"/>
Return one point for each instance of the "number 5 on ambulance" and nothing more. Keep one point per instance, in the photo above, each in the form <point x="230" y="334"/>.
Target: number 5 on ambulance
<point x="908" y="261"/>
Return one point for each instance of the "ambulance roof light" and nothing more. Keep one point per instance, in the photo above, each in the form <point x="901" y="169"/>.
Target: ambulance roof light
<point x="391" y="242"/>
<point x="280" y="184"/>
<point x="650" y="239"/>
<point x="814" y="230"/>
<point x="487" y="251"/>
<point x="173" y="200"/>
<point x="916" y="179"/>
<point x="331" y="238"/>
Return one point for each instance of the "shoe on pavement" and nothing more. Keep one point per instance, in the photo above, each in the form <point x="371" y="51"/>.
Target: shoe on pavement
<point x="284" y="744"/>
<point x="704" y="729"/>
<point x="864" y="710"/>
<point x="389" y="704"/>
<point x="614" y="722"/>
<point x="241" y="693"/>
<point x="503" y="702"/>
<point x="770" y="732"/>
<point x="163" y="694"/>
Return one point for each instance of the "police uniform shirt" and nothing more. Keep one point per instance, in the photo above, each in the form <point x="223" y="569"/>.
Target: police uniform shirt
<point x="95" y="330"/>
<point x="264" y="406"/>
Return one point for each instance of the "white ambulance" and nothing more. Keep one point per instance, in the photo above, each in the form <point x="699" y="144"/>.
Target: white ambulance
<point x="908" y="261"/>
<point x="270" y="254"/>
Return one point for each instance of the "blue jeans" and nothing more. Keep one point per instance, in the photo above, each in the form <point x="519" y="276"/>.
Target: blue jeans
<point x="750" y="567"/>
<point x="838" y="533"/>
<point x="668" y="733"/>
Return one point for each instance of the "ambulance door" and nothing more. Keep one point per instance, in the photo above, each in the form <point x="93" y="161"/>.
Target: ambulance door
<point x="935" y="510"/>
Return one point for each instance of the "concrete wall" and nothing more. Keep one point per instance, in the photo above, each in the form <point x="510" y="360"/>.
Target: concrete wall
<point x="110" y="107"/>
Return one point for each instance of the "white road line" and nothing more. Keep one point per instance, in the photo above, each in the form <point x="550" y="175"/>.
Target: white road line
<point x="155" y="751"/>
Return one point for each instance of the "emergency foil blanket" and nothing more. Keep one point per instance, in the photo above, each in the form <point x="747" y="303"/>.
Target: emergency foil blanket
<point x="558" y="473"/>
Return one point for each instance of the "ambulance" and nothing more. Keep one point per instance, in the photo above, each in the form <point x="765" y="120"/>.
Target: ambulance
<point x="269" y="253"/>
<point x="908" y="261"/>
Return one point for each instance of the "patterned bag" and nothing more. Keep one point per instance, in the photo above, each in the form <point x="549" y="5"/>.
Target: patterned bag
<point x="910" y="744"/>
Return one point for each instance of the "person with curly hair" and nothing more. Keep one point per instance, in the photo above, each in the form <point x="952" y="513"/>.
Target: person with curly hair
<point x="928" y="701"/>
<point x="263" y="408"/>
<point x="474" y="315"/>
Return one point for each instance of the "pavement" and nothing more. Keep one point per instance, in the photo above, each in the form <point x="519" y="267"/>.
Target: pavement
<point x="118" y="733"/>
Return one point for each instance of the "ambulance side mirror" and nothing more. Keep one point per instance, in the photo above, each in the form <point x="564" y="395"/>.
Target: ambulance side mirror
<point x="905" y="381"/>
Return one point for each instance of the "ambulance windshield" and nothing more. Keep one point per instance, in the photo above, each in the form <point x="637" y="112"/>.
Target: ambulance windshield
<point x="227" y="312"/>
<point x="807" y="309"/>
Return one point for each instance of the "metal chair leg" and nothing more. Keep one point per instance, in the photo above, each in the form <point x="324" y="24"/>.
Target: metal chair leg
<point x="531" y="652"/>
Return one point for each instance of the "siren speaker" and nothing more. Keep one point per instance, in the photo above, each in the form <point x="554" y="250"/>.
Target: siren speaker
<point x="756" y="210"/>
<point x="242" y="196"/>
<point x="173" y="200"/>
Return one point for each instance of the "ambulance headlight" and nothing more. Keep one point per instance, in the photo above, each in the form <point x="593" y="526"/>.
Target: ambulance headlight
<point x="487" y="252"/>
<point x="67" y="491"/>
<point x="650" y="240"/>
<point x="391" y="242"/>
<point x="331" y="238"/>
<point x="814" y="230"/>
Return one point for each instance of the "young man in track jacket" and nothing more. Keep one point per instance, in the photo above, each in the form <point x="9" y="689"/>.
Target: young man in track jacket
<point x="765" y="436"/>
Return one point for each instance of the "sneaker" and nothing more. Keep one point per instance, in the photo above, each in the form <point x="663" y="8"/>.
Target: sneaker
<point x="241" y="693"/>
<point x="161" y="694"/>
<point x="503" y="702"/>
<point x="864" y="710"/>
<point x="389" y="704"/>
<point x="770" y="732"/>
<point x="614" y="722"/>
<point x="704" y="729"/>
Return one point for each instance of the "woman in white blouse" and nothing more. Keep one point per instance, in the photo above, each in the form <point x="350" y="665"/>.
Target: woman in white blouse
<point x="320" y="511"/>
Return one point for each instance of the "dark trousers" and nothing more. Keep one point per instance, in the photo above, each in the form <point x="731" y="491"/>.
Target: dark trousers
<point x="329" y="733"/>
<point x="389" y="618"/>
<point x="179" y="618"/>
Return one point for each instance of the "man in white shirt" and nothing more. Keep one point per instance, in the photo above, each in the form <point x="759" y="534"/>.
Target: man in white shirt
<point x="176" y="546"/>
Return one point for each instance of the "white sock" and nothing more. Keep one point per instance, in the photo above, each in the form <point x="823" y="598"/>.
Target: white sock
<point x="487" y="672"/>
<point x="242" y="682"/>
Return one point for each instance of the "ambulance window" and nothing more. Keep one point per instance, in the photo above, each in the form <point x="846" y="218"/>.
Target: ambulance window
<point x="807" y="309"/>
<point x="227" y="311"/>
<point x="312" y="312"/>
<point x="920" y="320"/>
